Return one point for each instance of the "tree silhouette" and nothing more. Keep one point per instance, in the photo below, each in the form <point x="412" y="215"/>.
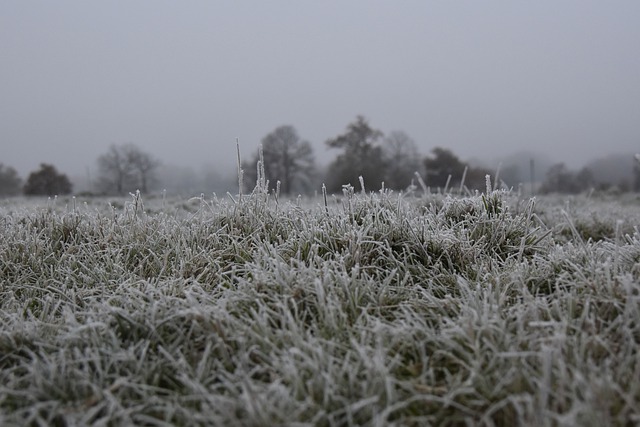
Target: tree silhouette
<point x="287" y="159"/>
<point x="560" y="179"/>
<point x="47" y="182"/>
<point x="361" y="155"/>
<point x="126" y="168"/>
<point x="10" y="182"/>
<point x="402" y="160"/>
<point x="445" y="167"/>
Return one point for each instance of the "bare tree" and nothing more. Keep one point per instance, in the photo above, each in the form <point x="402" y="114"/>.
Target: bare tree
<point x="114" y="171"/>
<point x="10" y="182"/>
<point x="143" y="165"/>
<point x="126" y="168"/>
<point x="287" y="158"/>
<point x="401" y="156"/>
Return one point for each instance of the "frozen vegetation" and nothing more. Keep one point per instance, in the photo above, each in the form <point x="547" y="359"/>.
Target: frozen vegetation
<point x="374" y="309"/>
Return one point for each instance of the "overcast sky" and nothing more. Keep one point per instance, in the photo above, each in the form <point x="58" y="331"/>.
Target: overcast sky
<point x="183" y="79"/>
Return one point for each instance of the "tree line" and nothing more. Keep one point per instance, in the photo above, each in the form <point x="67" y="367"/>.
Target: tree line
<point x="394" y="161"/>
<point x="45" y="181"/>
<point x="364" y="154"/>
<point x="123" y="168"/>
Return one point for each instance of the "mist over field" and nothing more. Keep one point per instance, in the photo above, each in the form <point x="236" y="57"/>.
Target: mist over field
<point x="182" y="81"/>
<point x="361" y="213"/>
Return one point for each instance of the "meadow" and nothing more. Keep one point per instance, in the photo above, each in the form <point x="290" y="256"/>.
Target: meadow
<point x="372" y="309"/>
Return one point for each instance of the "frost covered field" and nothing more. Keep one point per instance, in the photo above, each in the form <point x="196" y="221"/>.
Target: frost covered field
<point x="371" y="310"/>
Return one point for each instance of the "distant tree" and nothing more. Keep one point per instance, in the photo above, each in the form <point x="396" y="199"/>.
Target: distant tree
<point x="143" y="165"/>
<point x="10" y="182"/>
<point x="559" y="179"/>
<point x="402" y="160"/>
<point x="510" y="175"/>
<point x="126" y="168"/>
<point x="47" y="182"/>
<point x="523" y="167"/>
<point x="613" y="170"/>
<point x="114" y="170"/>
<point x="443" y="166"/>
<point x="584" y="179"/>
<point x="361" y="155"/>
<point x="476" y="178"/>
<point x="287" y="159"/>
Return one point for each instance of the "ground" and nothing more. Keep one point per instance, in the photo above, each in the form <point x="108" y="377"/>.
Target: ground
<point x="366" y="309"/>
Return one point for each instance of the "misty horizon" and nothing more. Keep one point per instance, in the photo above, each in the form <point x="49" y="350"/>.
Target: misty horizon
<point x="183" y="81"/>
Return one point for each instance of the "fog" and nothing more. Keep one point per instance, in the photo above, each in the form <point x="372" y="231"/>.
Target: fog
<point x="183" y="80"/>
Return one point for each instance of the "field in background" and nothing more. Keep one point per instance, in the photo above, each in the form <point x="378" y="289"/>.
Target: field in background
<point x="371" y="309"/>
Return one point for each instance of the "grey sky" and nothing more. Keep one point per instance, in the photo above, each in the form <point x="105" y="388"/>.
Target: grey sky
<point x="183" y="79"/>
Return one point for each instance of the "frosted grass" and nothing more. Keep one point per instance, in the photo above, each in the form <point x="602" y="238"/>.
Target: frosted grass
<point x="369" y="310"/>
